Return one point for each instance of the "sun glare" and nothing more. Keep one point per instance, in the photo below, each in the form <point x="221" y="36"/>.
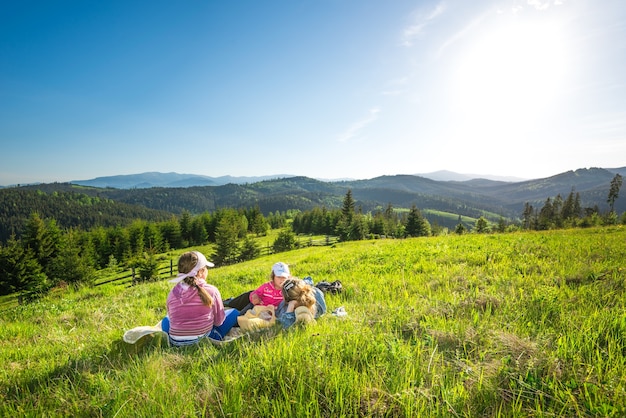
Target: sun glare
<point x="512" y="72"/>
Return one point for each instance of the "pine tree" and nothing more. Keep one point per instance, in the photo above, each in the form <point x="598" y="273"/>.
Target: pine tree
<point x="259" y="225"/>
<point x="148" y="266"/>
<point x="416" y="224"/>
<point x="482" y="226"/>
<point x="577" y="205"/>
<point x="136" y="237"/>
<point x="185" y="228"/>
<point x="359" y="228"/>
<point x="119" y="242"/>
<point x="616" y="184"/>
<point x="70" y="266"/>
<point x="557" y="208"/>
<point x="198" y="234"/>
<point x="527" y="216"/>
<point x="43" y="238"/>
<point x="568" y="211"/>
<point x="501" y="225"/>
<point x="391" y="221"/>
<point x="153" y="238"/>
<point x="285" y="241"/>
<point x="377" y="225"/>
<point x="347" y="209"/>
<point x="249" y="249"/>
<point x="546" y="215"/>
<point x="226" y="238"/>
<point x="171" y="233"/>
<point x="19" y="269"/>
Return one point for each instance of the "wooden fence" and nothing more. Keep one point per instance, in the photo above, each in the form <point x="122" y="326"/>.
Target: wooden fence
<point x="133" y="278"/>
<point x="130" y="279"/>
<point x="168" y="271"/>
<point x="305" y="242"/>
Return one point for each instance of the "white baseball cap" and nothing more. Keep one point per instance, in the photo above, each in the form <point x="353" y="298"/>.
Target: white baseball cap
<point x="281" y="269"/>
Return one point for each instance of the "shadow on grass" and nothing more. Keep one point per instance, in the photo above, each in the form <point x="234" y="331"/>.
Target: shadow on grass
<point x="119" y="357"/>
<point x="158" y="341"/>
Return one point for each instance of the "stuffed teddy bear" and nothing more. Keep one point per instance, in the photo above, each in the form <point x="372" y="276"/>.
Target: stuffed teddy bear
<point x="304" y="315"/>
<point x="257" y="317"/>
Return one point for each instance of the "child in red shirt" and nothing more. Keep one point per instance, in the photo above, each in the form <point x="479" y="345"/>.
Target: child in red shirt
<point x="269" y="293"/>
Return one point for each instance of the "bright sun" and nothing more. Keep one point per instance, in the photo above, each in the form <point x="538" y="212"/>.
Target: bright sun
<point x="513" y="72"/>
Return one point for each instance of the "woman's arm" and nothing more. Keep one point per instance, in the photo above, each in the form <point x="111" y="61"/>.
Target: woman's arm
<point x="320" y="302"/>
<point x="285" y="313"/>
<point x="291" y="306"/>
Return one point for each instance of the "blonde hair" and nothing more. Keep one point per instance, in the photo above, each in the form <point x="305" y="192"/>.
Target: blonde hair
<point x="186" y="263"/>
<point x="302" y="293"/>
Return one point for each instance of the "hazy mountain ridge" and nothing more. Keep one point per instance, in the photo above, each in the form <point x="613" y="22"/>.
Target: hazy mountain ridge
<point x="445" y="175"/>
<point x="157" y="179"/>
<point x="172" y="179"/>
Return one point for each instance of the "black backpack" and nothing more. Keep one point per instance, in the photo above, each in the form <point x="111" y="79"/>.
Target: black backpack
<point x="332" y="288"/>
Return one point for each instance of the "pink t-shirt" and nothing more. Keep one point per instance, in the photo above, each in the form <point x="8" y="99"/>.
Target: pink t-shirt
<point x="269" y="294"/>
<point x="189" y="317"/>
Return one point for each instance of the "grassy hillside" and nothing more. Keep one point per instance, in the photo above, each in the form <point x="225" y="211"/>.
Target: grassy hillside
<point x="525" y="324"/>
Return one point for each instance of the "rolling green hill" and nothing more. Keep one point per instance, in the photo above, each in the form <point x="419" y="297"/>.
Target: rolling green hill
<point x="70" y="206"/>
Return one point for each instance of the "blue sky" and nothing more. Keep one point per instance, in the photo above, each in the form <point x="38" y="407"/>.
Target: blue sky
<point x="321" y="88"/>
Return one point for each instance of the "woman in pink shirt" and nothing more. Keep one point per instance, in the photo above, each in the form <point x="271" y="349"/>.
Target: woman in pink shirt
<point x="194" y="307"/>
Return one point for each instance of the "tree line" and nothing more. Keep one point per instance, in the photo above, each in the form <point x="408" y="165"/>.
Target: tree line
<point x="350" y="223"/>
<point x="46" y="255"/>
<point x="557" y="212"/>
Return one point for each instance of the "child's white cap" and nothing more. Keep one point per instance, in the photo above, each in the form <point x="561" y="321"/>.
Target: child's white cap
<point x="281" y="269"/>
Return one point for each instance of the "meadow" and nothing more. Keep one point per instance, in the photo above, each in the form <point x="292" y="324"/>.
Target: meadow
<point x="495" y="325"/>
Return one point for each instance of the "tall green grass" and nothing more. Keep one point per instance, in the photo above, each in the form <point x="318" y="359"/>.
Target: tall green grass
<point x="524" y="324"/>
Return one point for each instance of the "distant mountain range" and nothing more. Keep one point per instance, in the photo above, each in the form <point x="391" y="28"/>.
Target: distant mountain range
<point x="146" y="189"/>
<point x="445" y="175"/>
<point x="156" y="179"/>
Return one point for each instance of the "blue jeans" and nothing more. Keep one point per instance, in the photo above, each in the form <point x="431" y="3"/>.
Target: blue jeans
<point x="217" y="333"/>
